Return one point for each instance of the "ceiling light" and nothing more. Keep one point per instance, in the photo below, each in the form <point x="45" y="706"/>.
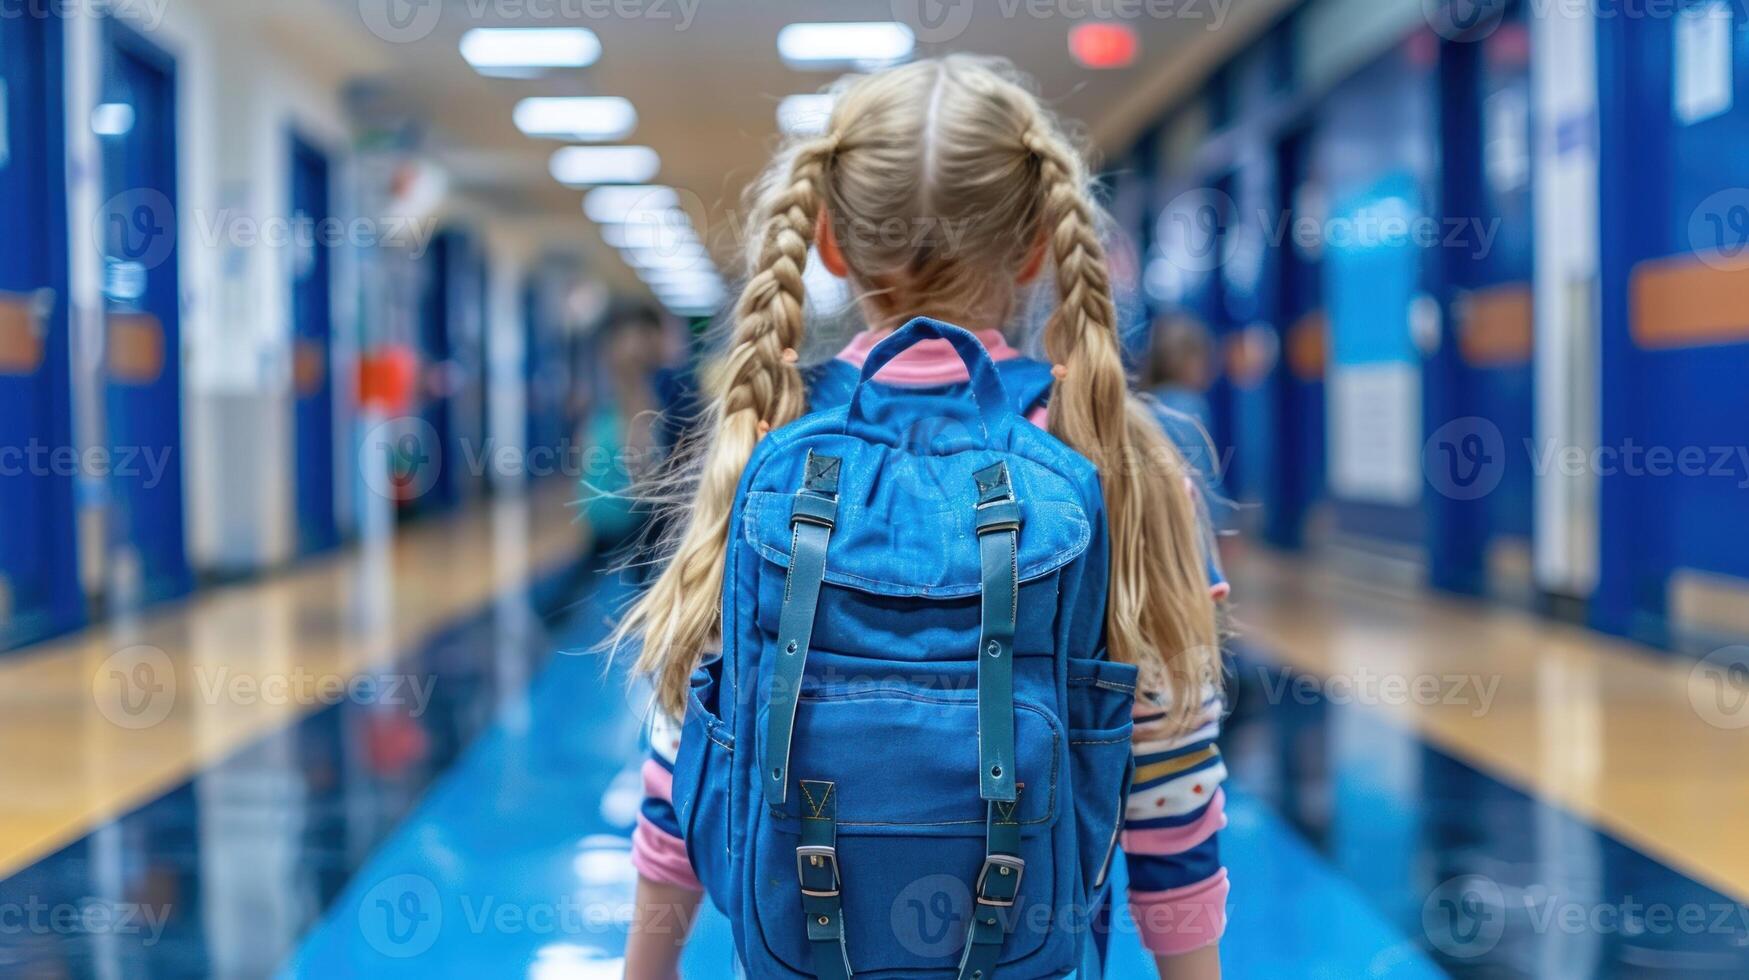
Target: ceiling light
<point x="591" y="117"/>
<point x="658" y="236"/>
<point x="632" y="202"/>
<point x="497" y="48"/>
<point x="864" y="45"/>
<point x="804" y="115"/>
<point x="685" y="282"/>
<point x="699" y="273"/>
<point x="692" y="286"/>
<point x="579" y="165"/>
<point x="684" y="255"/>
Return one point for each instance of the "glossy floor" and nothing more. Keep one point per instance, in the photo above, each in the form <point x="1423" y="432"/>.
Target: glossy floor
<point x="1420" y="788"/>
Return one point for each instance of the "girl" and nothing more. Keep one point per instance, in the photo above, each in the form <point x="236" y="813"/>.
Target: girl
<point x="942" y="188"/>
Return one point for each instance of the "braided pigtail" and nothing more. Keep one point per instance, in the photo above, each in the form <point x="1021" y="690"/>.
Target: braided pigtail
<point x="1159" y="614"/>
<point x="756" y="387"/>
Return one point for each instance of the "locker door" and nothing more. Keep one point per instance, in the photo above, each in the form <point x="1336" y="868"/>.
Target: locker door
<point x="1252" y="349"/>
<point x="142" y="356"/>
<point x="1480" y="453"/>
<point x="1371" y="163"/>
<point x="1255" y="84"/>
<point x="312" y="357"/>
<point x="1183" y="282"/>
<point x="546" y="374"/>
<point x="1674" y="131"/>
<point x="437" y="404"/>
<point x="39" y="587"/>
<point x="1299" y="464"/>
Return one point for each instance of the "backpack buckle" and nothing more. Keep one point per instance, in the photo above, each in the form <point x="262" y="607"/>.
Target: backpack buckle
<point x="813" y="862"/>
<point x="1009" y="870"/>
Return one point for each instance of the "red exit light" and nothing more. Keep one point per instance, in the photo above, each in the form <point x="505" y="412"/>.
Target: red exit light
<point x="1104" y="45"/>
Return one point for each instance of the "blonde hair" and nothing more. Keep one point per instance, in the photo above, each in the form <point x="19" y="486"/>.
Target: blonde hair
<point x="958" y="155"/>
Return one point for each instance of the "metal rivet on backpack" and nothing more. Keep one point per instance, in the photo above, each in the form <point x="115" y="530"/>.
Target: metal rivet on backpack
<point x="995" y="649"/>
<point x="777" y="774"/>
<point x="1003" y="872"/>
<point x="815" y="860"/>
<point x="791" y="648"/>
<point x="823" y="920"/>
<point x="995" y="772"/>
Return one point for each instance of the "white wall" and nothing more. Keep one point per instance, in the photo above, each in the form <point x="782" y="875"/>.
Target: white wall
<point x="245" y="83"/>
<point x="1567" y="295"/>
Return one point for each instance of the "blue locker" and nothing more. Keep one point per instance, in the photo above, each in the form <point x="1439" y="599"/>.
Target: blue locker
<point x="39" y="582"/>
<point x="1299" y="465"/>
<point x="312" y="352"/>
<point x="1370" y="149"/>
<point x="1479" y="456"/>
<point x="437" y="393"/>
<point x="142" y="356"/>
<point x="1249" y="281"/>
<point x="1674" y="153"/>
<point x="1184" y="282"/>
<point x="546" y="371"/>
<point x="451" y="348"/>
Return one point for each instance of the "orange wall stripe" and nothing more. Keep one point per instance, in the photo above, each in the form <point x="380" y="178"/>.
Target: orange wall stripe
<point x="1689" y="301"/>
<point x="1306" y="346"/>
<point x="136" y="348"/>
<point x="21" y="345"/>
<point x="1496" y="326"/>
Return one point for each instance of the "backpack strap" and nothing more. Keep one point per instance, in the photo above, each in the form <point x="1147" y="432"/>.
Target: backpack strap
<point x="998" y="543"/>
<point x="1028" y="382"/>
<point x="817" y="867"/>
<point x="997" y="888"/>
<point x="812" y="517"/>
<point x="998" y="882"/>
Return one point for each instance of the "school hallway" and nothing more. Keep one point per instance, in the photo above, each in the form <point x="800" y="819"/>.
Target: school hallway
<point x="1449" y="822"/>
<point x="339" y="337"/>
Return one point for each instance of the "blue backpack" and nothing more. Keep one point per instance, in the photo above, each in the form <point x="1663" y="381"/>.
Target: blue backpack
<point x="912" y="757"/>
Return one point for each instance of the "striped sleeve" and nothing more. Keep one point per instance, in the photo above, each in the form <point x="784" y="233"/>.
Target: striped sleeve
<point x="1178" y="887"/>
<point x="658" y="852"/>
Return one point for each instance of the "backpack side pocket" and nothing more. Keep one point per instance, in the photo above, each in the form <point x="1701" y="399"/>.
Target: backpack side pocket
<point x="1101" y="759"/>
<point x="702" y="771"/>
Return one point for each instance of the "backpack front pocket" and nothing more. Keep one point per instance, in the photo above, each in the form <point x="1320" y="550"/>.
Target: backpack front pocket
<point x="910" y="825"/>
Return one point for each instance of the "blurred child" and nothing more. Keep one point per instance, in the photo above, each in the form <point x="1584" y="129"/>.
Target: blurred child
<point x="1179" y="371"/>
<point x="620" y="432"/>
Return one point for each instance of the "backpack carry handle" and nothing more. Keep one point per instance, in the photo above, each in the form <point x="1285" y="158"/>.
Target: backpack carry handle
<point x="994" y="410"/>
